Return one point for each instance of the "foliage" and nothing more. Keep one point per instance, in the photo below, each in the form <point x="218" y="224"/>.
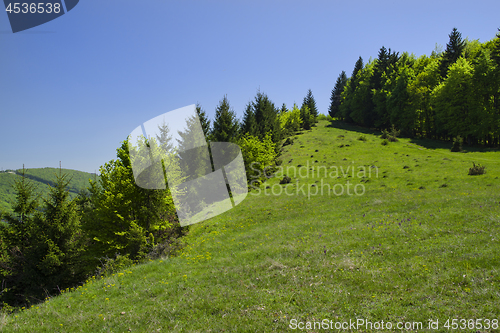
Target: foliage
<point x="267" y="119"/>
<point x="476" y="169"/>
<point x="41" y="249"/>
<point x="225" y="125"/>
<point x="451" y="93"/>
<point x="311" y="104"/>
<point x="290" y="120"/>
<point x="258" y="155"/>
<point x="122" y="218"/>
<point x="453" y="51"/>
<point x="335" y="98"/>
<point x="457" y="144"/>
<point x="306" y="117"/>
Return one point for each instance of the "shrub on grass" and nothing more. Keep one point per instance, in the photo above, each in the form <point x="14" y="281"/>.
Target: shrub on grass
<point x="385" y="142"/>
<point x="362" y="138"/>
<point x="476" y="169"/>
<point x="288" y="141"/>
<point x="385" y="134"/>
<point x="457" y="144"/>
<point x="286" y="180"/>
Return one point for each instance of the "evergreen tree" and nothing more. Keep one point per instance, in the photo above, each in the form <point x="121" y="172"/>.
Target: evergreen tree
<point x="376" y="111"/>
<point x="305" y="116"/>
<point x="453" y="51"/>
<point x="43" y="247"/>
<point x="249" y="124"/>
<point x="283" y="108"/>
<point x="347" y="95"/>
<point x="193" y="149"/>
<point x="60" y="242"/>
<point x="311" y="103"/>
<point x="225" y="128"/>
<point x="266" y="118"/>
<point x="335" y="98"/>
<point x="205" y="122"/>
<point x="165" y="139"/>
<point x="18" y="236"/>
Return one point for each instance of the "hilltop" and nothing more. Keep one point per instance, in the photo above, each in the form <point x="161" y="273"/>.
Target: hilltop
<point x="364" y="231"/>
<point x="43" y="178"/>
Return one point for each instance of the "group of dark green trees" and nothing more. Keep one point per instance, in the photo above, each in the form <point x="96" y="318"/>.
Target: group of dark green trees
<point x="261" y="130"/>
<point x="441" y="96"/>
<point x="52" y="243"/>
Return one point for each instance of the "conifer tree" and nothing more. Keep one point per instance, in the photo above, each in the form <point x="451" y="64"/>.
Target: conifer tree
<point x="225" y="128"/>
<point x="453" y="51"/>
<point x="205" y="122"/>
<point x="165" y="139"/>
<point x="311" y="103"/>
<point x="18" y="238"/>
<point x="305" y="115"/>
<point x="340" y="84"/>
<point x="283" y="108"/>
<point x="266" y="118"/>
<point x="249" y="125"/>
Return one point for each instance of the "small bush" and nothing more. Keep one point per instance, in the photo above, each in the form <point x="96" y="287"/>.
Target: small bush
<point x="385" y="142"/>
<point x="457" y="144"/>
<point x="324" y="117"/>
<point x="112" y="265"/>
<point x="362" y="138"/>
<point x="288" y="141"/>
<point x="394" y="132"/>
<point x="392" y="138"/>
<point x="476" y="169"/>
<point x="286" y="180"/>
<point x="385" y="134"/>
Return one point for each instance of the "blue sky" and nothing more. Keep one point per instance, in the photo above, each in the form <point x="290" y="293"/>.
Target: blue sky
<point x="72" y="89"/>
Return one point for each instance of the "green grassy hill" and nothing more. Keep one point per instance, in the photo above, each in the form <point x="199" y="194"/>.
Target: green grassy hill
<point x="419" y="241"/>
<point x="43" y="178"/>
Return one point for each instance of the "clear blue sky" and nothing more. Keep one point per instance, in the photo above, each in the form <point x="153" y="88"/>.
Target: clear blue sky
<point x="72" y="89"/>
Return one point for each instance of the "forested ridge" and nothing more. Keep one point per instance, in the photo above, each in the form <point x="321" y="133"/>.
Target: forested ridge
<point x="449" y="94"/>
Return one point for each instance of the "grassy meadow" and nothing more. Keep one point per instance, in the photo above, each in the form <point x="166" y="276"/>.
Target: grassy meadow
<point x="417" y="239"/>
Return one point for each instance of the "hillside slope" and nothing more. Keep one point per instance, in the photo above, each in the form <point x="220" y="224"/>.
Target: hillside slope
<point x="419" y="240"/>
<point x="43" y="178"/>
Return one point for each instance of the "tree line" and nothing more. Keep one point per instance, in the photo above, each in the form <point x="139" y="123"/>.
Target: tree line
<point x="442" y="96"/>
<point x="52" y="243"/>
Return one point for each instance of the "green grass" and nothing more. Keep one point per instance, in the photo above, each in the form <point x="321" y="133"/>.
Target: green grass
<point x="408" y="250"/>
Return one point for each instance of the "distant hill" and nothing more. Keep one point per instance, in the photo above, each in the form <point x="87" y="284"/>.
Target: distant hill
<point x="43" y="178"/>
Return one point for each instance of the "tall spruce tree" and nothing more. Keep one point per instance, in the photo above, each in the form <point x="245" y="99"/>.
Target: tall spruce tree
<point x="18" y="237"/>
<point x="249" y="125"/>
<point x="340" y="84"/>
<point x="266" y="118"/>
<point x="305" y="115"/>
<point x="453" y="51"/>
<point x="165" y="139"/>
<point x="311" y="103"/>
<point x="225" y="127"/>
<point x="205" y="122"/>
<point x="350" y="89"/>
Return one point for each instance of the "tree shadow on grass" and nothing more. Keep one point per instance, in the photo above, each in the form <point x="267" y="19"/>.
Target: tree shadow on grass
<point x="422" y="142"/>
